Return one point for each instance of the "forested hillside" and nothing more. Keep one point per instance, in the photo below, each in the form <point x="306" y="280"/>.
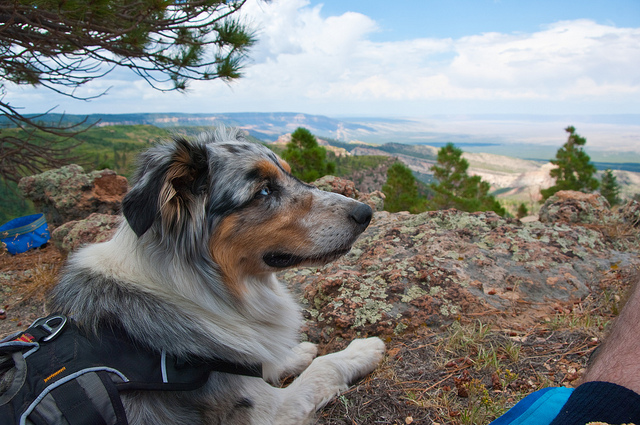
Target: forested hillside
<point x="513" y="181"/>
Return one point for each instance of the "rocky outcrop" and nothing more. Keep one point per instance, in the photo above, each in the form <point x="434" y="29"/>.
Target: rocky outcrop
<point x="337" y="185"/>
<point x="68" y="193"/>
<point x="630" y="213"/>
<point x="410" y="271"/>
<point x="568" y="206"/>
<point x="95" y="228"/>
<point x="347" y="188"/>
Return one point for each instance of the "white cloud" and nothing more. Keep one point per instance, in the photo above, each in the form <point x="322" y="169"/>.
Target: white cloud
<point x="333" y="59"/>
<point x="308" y="62"/>
<point x="552" y="63"/>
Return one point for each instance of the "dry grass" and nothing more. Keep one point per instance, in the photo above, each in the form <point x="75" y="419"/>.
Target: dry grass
<point x="25" y="281"/>
<point x="41" y="281"/>
<point x="34" y="272"/>
<point x="462" y="376"/>
<point x="471" y="372"/>
<point x="624" y="228"/>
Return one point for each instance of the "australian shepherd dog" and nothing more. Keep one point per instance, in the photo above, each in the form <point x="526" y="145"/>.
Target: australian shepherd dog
<point x="191" y="272"/>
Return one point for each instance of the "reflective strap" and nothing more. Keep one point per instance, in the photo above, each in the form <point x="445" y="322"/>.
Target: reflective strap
<point x="163" y="366"/>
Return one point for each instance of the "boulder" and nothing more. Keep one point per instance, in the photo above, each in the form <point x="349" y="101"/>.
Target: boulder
<point x="95" y="228"/>
<point x="412" y="271"/>
<point x="337" y="185"/>
<point x="374" y="199"/>
<point x="568" y="206"/>
<point x="347" y="188"/>
<point x="630" y="213"/>
<point x="68" y="193"/>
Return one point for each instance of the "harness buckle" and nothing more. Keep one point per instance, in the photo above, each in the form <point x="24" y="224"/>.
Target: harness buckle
<point x="52" y="324"/>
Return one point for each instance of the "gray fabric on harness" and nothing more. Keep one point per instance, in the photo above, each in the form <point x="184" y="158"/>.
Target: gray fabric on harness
<point x="81" y="400"/>
<point x="61" y="375"/>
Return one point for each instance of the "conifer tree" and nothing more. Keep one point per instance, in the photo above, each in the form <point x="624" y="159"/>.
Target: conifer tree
<point x="456" y="189"/>
<point x="63" y="45"/>
<point x="522" y="211"/>
<point x="307" y="159"/>
<point x="609" y="187"/>
<point x="401" y="190"/>
<point x="574" y="169"/>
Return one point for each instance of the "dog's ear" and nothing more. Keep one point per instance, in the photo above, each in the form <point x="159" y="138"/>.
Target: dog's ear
<point x="167" y="188"/>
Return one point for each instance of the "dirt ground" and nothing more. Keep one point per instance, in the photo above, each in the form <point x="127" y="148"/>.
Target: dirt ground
<point x="25" y="280"/>
<point x="468" y="372"/>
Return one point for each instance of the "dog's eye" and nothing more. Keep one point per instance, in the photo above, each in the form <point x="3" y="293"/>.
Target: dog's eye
<point x="265" y="191"/>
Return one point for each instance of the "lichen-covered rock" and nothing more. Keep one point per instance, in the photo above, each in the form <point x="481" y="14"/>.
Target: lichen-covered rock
<point x="337" y="185"/>
<point x="95" y="228"/>
<point x="569" y="206"/>
<point x="347" y="188"/>
<point x="374" y="199"/>
<point x="630" y="213"/>
<point x="409" y="271"/>
<point x="68" y="193"/>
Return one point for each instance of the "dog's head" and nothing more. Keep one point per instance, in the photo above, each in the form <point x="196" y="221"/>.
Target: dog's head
<point x="235" y="203"/>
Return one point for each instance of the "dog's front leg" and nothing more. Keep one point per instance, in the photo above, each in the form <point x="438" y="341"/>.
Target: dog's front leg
<point x="325" y="378"/>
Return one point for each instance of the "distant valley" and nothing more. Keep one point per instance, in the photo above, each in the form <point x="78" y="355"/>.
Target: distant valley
<point x="611" y="139"/>
<point x="509" y="152"/>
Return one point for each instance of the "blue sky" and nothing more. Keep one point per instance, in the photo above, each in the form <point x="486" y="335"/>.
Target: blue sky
<point x="406" y="19"/>
<point x="407" y="58"/>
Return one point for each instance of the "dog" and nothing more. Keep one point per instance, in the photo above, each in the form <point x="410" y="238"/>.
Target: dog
<point x="191" y="272"/>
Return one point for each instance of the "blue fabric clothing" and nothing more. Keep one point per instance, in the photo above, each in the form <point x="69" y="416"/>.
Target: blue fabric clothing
<point x="539" y="408"/>
<point x="590" y="402"/>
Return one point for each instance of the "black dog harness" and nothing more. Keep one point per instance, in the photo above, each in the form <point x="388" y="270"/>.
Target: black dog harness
<point x="64" y="376"/>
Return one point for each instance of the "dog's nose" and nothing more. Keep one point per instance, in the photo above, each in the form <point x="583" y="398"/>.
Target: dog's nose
<point x="361" y="214"/>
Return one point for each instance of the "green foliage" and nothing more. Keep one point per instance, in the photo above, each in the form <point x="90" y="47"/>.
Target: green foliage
<point x="307" y="159"/>
<point x="401" y="190"/>
<point x="456" y="189"/>
<point x="609" y="187"/>
<point x="12" y="205"/>
<point x="162" y="41"/>
<point x="522" y="211"/>
<point x="574" y="168"/>
<point x="349" y="164"/>
<point x="63" y="45"/>
<point x="114" y="147"/>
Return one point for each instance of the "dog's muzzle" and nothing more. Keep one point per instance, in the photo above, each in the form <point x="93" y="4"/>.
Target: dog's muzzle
<point x="360" y="216"/>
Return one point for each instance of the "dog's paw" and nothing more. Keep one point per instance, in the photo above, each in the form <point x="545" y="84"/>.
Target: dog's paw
<point x="331" y="374"/>
<point x="366" y="353"/>
<point x="372" y="344"/>
<point x="360" y="358"/>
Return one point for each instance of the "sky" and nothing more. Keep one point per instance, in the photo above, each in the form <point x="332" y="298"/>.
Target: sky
<point x="406" y="58"/>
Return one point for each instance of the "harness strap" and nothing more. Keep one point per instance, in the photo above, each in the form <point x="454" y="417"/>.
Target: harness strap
<point x="114" y="397"/>
<point x="66" y="376"/>
<point x="75" y="404"/>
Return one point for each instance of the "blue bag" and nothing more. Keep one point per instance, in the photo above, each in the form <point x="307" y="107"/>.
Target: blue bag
<point x="23" y="233"/>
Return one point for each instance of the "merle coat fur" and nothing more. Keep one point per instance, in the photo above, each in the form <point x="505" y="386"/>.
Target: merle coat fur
<point x="191" y="271"/>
